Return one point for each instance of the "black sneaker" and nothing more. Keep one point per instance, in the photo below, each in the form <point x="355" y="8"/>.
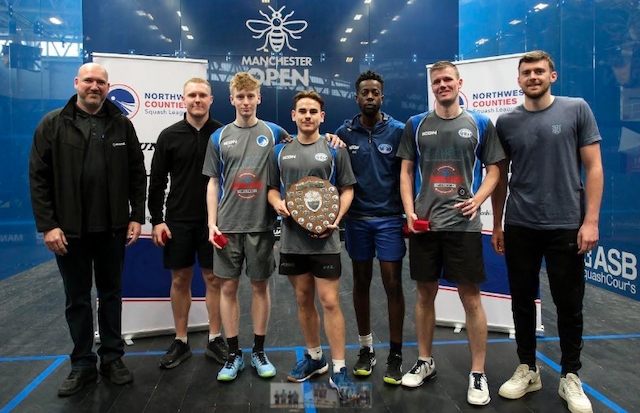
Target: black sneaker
<point x="393" y="375"/>
<point x="366" y="361"/>
<point x="176" y="354"/>
<point x="76" y="380"/>
<point x="116" y="372"/>
<point x="217" y="350"/>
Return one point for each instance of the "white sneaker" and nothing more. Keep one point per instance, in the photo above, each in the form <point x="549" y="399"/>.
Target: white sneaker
<point x="478" y="393"/>
<point x="571" y="390"/>
<point x="522" y="382"/>
<point x="419" y="373"/>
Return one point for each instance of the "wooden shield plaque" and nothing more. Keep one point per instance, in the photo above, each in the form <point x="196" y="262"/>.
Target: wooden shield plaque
<point x="313" y="203"/>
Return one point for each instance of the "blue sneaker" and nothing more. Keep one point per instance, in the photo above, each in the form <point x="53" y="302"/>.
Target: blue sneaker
<point x="343" y="384"/>
<point x="261" y="363"/>
<point x="307" y="367"/>
<point x="232" y="366"/>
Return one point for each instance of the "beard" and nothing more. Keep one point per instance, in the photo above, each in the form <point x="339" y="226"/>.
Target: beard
<point x="370" y="111"/>
<point x="537" y="95"/>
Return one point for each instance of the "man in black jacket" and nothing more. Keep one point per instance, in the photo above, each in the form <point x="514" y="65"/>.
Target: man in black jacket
<point x="88" y="182"/>
<point x="180" y="152"/>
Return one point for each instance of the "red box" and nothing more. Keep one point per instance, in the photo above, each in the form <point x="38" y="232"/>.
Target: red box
<point x="421" y="225"/>
<point x="220" y="239"/>
<point x="164" y="237"/>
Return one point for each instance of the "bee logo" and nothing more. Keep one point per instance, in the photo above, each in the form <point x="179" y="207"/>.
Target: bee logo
<point x="276" y="30"/>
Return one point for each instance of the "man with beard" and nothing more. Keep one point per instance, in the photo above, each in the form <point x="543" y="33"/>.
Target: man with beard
<point x="442" y="155"/>
<point x="180" y="153"/>
<point x="550" y="214"/>
<point x="373" y="224"/>
<point x="88" y="181"/>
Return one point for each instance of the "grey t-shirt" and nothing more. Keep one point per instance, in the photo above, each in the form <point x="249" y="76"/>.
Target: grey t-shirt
<point x="448" y="156"/>
<point x="546" y="190"/>
<point x="293" y="161"/>
<point x="238" y="157"/>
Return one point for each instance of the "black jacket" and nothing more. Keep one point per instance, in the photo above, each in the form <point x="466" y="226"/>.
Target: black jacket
<point x="55" y="170"/>
<point x="180" y="152"/>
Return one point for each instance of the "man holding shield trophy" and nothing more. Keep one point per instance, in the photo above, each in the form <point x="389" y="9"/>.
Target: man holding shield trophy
<point x="310" y="243"/>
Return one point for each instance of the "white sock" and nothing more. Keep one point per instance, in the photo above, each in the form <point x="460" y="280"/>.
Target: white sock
<point x="214" y="336"/>
<point x="183" y="339"/>
<point x="337" y="365"/>
<point x="315" y="353"/>
<point x="366" y="341"/>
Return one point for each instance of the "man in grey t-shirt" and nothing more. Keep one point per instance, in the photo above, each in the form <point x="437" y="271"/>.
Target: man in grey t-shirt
<point x="549" y="214"/>
<point x="442" y="156"/>
<point x="312" y="262"/>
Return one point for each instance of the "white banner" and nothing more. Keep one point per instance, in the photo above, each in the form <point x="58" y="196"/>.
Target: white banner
<point x="149" y="91"/>
<point x="489" y="86"/>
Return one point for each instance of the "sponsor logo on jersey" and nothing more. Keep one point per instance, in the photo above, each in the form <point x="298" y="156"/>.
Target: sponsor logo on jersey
<point x="229" y="143"/>
<point x="385" y="148"/>
<point x="354" y="148"/>
<point x="465" y="133"/>
<point x="556" y="129"/>
<point x="321" y="157"/>
<point x="288" y="157"/>
<point x="445" y="180"/>
<point x="246" y="185"/>
<point x="429" y="132"/>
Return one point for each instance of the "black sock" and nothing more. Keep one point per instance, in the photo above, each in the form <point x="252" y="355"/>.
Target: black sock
<point x="232" y="342"/>
<point x="258" y="343"/>
<point x="395" y="348"/>
<point x="532" y="367"/>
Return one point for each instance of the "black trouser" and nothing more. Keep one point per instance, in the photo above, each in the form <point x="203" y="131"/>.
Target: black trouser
<point x="104" y="251"/>
<point x="524" y="250"/>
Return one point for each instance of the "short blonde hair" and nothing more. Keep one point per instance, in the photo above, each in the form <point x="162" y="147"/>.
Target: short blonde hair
<point x="244" y="81"/>
<point x="197" y="80"/>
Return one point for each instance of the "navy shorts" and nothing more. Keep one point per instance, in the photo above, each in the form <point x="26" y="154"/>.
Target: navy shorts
<point x="188" y="238"/>
<point x="381" y="237"/>
<point x="456" y="256"/>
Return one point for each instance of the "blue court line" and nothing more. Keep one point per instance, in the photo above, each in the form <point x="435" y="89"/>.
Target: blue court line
<point x="35" y="383"/>
<point x="300" y="353"/>
<point x="593" y="392"/>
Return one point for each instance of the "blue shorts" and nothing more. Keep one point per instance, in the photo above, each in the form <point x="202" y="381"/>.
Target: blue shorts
<point x="381" y="237"/>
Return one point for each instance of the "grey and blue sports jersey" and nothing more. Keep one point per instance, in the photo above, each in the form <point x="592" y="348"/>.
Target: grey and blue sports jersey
<point x="546" y="189"/>
<point x="290" y="163"/>
<point x="238" y="157"/>
<point x="448" y="156"/>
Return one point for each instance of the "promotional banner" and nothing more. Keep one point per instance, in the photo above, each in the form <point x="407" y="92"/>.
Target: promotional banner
<point x="490" y="87"/>
<point x="149" y="91"/>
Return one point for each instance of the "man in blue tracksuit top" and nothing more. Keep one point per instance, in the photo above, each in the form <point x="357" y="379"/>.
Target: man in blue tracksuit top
<point x="373" y="225"/>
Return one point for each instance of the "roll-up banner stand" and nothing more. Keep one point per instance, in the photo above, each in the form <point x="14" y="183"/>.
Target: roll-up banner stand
<point x="149" y="91"/>
<point x="489" y="86"/>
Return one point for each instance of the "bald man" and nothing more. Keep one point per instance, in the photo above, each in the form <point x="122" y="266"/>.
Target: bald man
<point x="88" y="185"/>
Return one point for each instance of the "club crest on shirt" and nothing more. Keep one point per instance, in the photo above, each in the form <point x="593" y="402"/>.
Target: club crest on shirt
<point x="556" y="129"/>
<point x="465" y="133"/>
<point x="262" y="141"/>
<point x="385" y="148"/>
<point x="321" y="157"/>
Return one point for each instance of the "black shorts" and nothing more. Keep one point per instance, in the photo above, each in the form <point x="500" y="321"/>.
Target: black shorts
<point x="188" y="238"/>
<point x="456" y="256"/>
<point x="320" y="265"/>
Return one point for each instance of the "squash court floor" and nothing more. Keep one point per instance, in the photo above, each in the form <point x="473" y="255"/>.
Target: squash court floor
<point x="34" y="344"/>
